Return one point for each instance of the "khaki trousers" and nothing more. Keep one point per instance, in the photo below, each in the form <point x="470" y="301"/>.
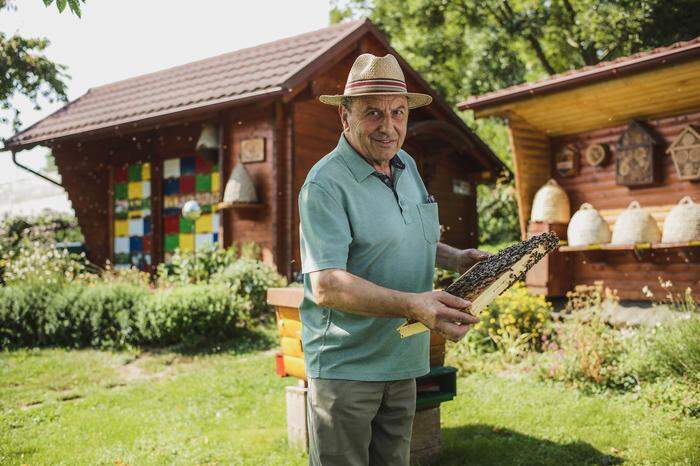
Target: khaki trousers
<point x="353" y="422"/>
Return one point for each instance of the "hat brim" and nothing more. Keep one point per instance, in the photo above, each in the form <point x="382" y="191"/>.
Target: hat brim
<point x="415" y="99"/>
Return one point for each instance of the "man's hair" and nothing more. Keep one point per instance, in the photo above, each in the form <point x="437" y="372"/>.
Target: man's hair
<point x="346" y="102"/>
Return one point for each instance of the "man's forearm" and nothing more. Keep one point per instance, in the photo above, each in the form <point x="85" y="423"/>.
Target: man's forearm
<point x="447" y="257"/>
<point x="342" y="290"/>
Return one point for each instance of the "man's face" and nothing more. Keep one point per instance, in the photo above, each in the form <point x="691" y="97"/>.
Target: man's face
<point x="376" y="125"/>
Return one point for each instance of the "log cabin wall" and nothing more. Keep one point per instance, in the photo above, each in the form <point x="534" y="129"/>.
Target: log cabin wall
<point x="85" y="181"/>
<point x="597" y="186"/>
<point x="458" y="217"/>
<point x="316" y="132"/>
<point x="243" y="226"/>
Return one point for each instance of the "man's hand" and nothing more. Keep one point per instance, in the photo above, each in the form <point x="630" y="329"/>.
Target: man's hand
<point x="442" y="312"/>
<point x="465" y="258"/>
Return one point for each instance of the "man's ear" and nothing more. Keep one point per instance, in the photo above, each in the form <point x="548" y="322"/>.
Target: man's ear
<point x="343" y="112"/>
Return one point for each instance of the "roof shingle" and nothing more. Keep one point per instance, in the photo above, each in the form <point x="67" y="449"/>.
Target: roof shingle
<point x="232" y="76"/>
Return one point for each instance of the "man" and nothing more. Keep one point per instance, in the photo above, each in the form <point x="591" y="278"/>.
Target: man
<point x="369" y="244"/>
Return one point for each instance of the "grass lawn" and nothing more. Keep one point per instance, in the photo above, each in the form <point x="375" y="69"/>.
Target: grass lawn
<point x="91" y="407"/>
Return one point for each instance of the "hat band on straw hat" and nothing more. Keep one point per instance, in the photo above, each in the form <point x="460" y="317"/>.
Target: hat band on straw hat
<point x="378" y="86"/>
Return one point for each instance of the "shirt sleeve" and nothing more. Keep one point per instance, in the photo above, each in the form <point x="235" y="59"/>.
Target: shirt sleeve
<point x="324" y="230"/>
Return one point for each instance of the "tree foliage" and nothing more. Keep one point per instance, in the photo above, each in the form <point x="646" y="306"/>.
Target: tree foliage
<point x="466" y="47"/>
<point x="25" y="70"/>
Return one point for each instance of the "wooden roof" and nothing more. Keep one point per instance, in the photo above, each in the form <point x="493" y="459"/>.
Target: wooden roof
<point x="656" y="83"/>
<point x="271" y="70"/>
<point x="238" y="76"/>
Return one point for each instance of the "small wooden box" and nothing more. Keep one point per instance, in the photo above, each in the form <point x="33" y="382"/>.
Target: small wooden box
<point x="552" y="275"/>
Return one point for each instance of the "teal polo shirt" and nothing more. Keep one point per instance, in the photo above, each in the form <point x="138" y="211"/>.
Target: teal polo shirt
<point x="386" y="233"/>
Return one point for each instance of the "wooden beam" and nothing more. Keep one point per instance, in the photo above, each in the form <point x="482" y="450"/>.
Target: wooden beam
<point x="654" y="94"/>
<point x="528" y="177"/>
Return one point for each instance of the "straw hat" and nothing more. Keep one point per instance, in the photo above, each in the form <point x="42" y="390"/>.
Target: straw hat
<point x="372" y="75"/>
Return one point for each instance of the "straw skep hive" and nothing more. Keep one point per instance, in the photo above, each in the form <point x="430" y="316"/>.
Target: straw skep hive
<point x="682" y="223"/>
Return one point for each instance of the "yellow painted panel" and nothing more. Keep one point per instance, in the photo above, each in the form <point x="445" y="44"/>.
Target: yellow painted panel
<point x="146" y="171"/>
<point x="290" y="313"/>
<point x="186" y="242"/>
<point x="289" y="328"/>
<point x="215" y="182"/>
<point x="291" y="347"/>
<point x="204" y="224"/>
<point x="135" y="190"/>
<point x="121" y="228"/>
<point x="294" y="366"/>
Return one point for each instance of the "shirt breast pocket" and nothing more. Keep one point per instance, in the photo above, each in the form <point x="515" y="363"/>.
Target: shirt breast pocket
<point x="430" y="221"/>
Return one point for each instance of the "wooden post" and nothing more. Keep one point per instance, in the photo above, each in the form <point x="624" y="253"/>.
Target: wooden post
<point x="297" y="432"/>
<point x="426" y="437"/>
<point x="531" y="161"/>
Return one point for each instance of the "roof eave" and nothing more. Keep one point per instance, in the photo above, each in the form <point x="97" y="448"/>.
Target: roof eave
<point x="145" y="123"/>
<point x="554" y="85"/>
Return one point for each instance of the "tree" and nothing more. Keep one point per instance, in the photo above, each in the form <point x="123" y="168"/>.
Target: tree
<point x="25" y="70"/>
<point x="467" y="47"/>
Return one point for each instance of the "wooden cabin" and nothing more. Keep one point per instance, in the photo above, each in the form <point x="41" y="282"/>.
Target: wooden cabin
<point x="580" y="128"/>
<point x="126" y="151"/>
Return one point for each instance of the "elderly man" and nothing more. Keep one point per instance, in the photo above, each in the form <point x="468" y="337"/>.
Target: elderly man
<point x="369" y="244"/>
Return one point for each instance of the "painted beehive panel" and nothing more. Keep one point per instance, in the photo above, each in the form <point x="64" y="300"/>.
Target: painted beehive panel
<point x="186" y="178"/>
<point x="132" y="215"/>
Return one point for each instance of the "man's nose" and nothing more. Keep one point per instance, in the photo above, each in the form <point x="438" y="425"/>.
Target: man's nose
<point x="386" y="125"/>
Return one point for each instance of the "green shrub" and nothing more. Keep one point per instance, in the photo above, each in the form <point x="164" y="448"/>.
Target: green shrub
<point x="515" y="314"/>
<point x="193" y="314"/>
<point x="588" y="352"/>
<point x="20" y="232"/>
<point x="100" y="315"/>
<point x="498" y="213"/>
<point x="189" y="267"/>
<point x="674" y="350"/>
<point x="250" y="279"/>
<point x="115" y="315"/>
<point x="41" y="263"/>
<point x="24" y="315"/>
<point x="514" y="324"/>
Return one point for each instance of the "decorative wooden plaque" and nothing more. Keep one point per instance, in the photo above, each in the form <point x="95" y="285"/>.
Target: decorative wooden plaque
<point x="253" y="150"/>
<point x="596" y="155"/>
<point x="634" y="160"/>
<point x="685" y="151"/>
<point x="566" y="161"/>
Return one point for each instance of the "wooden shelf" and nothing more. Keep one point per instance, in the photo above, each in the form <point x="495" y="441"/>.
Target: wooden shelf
<point x="656" y="252"/>
<point x="240" y="205"/>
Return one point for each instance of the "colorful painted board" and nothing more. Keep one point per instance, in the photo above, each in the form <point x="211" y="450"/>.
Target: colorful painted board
<point x="132" y="215"/>
<point x="186" y="178"/>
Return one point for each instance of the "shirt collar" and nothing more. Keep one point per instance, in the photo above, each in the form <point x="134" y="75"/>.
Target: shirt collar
<point x="359" y="166"/>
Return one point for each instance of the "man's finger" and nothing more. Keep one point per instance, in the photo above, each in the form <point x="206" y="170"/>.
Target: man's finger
<point x="453" y="301"/>
<point x="452" y="332"/>
<point x="452" y="315"/>
<point x="478" y="255"/>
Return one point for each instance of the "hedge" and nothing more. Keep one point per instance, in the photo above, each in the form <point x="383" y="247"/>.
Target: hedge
<point x="112" y="315"/>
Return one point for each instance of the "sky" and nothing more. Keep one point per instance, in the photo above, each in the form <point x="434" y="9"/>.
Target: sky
<point x="119" y="39"/>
